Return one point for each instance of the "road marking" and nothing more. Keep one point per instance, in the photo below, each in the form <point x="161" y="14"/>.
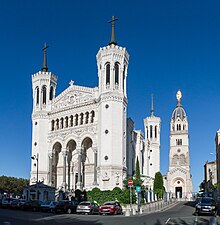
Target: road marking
<point x="167" y="221"/>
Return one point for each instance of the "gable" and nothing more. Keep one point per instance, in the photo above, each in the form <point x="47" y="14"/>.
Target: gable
<point x="74" y="96"/>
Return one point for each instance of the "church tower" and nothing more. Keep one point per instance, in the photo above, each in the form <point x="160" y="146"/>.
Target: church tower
<point x="179" y="181"/>
<point x="152" y="144"/>
<point x="112" y="63"/>
<point x="44" y="89"/>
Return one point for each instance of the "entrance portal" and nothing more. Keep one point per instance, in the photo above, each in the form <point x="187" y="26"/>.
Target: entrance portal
<point x="179" y="192"/>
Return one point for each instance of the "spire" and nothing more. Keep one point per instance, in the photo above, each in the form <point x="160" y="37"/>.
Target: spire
<point x="44" y="68"/>
<point x="152" y="105"/>
<point x="112" y="21"/>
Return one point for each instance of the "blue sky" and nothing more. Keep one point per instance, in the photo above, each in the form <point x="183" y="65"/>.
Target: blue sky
<point x="172" y="45"/>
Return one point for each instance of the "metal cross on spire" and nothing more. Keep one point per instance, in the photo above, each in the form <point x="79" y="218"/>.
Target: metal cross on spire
<point x="44" y="49"/>
<point x="112" y="21"/>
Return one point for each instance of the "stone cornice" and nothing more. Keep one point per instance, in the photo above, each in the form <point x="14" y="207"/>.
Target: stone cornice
<point x="76" y="131"/>
<point x="73" y="109"/>
<point x="40" y="115"/>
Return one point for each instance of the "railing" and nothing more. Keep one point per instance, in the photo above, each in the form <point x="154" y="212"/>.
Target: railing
<point x="149" y="207"/>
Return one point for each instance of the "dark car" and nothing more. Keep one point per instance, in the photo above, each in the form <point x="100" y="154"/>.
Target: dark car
<point x="206" y="205"/>
<point x="66" y="206"/>
<point x="48" y="206"/>
<point x="110" y="208"/>
<point x="33" y="205"/>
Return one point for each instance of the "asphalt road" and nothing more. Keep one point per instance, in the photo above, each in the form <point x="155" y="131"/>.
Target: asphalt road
<point x="181" y="214"/>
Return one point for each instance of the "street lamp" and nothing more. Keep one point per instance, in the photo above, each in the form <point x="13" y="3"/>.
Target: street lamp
<point x="36" y="157"/>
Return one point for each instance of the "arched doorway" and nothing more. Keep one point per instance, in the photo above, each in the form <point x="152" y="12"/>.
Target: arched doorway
<point x="178" y="192"/>
<point x="87" y="162"/>
<point x="71" y="164"/>
<point x="56" y="165"/>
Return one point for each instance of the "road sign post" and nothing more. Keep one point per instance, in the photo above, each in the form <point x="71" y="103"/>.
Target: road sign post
<point x="130" y="183"/>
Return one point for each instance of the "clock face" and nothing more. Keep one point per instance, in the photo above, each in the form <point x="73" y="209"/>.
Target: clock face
<point x="178" y="150"/>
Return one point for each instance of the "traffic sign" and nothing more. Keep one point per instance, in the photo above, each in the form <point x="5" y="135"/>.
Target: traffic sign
<point x="138" y="189"/>
<point x="130" y="182"/>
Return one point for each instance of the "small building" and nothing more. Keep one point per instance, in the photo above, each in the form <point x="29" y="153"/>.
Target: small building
<point x="210" y="175"/>
<point x="39" y="191"/>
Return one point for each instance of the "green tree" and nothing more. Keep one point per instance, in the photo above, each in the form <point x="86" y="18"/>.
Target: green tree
<point x="137" y="172"/>
<point x="13" y="185"/>
<point x="158" y="185"/>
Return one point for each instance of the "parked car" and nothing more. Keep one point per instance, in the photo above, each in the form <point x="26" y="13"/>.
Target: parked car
<point x="87" y="208"/>
<point x="33" y="205"/>
<point x="112" y="207"/>
<point x="17" y="204"/>
<point x="14" y="204"/>
<point x="48" y="206"/>
<point x="66" y="206"/>
<point x="206" y="205"/>
<point x="6" y="202"/>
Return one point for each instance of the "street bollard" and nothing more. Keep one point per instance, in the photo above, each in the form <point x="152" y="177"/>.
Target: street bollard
<point x="134" y="212"/>
<point x="127" y="212"/>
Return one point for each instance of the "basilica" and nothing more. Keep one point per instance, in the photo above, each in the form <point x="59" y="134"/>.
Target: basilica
<point x="82" y="138"/>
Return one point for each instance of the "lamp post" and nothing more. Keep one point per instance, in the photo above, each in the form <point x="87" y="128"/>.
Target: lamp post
<point x="36" y="157"/>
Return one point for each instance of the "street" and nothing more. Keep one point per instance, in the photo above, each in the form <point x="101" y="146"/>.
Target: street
<point x="181" y="213"/>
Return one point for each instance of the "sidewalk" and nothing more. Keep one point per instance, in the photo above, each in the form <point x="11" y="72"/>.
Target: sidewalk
<point x="149" y="207"/>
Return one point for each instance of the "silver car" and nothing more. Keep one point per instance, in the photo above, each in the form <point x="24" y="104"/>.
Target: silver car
<point x="87" y="208"/>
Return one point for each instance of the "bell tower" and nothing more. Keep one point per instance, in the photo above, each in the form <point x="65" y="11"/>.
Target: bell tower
<point x="152" y="138"/>
<point x="179" y="179"/>
<point x="44" y="89"/>
<point x="112" y="63"/>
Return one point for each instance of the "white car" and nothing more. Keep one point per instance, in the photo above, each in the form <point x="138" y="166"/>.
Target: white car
<point x="87" y="208"/>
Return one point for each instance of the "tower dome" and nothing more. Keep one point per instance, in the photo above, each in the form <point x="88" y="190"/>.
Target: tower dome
<point x="179" y="112"/>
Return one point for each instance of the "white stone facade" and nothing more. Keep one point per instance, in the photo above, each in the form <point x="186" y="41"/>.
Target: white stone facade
<point x="79" y="136"/>
<point x="178" y="180"/>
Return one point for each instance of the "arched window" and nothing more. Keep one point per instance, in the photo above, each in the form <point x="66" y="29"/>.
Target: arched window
<point x="37" y="95"/>
<point x="52" y="125"/>
<point x="51" y="92"/>
<point x="116" y="73"/>
<point x="81" y="118"/>
<point x="147" y="131"/>
<point x="76" y="119"/>
<point x="44" y="90"/>
<point x="107" y="73"/>
<point x="151" y="131"/>
<point x="66" y="121"/>
<point x="71" y="120"/>
<point x="182" y="159"/>
<point x="155" y="131"/>
<point x="61" y="123"/>
<point x="124" y="77"/>
<point x="92" y="116"/>
<point x="87" y="118"/>
<point x="175" y="159"/>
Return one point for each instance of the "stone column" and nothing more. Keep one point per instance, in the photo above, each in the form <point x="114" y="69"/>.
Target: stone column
<point x="148" y="196"/>
<point x="50" y="156"/>
<point x="64" y="153"/>
<point x="95" y="165"/>
<point x="79" y="182"/>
